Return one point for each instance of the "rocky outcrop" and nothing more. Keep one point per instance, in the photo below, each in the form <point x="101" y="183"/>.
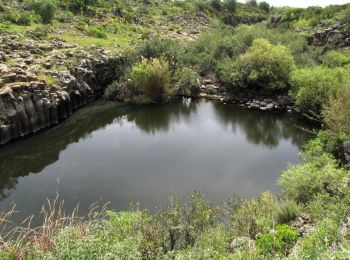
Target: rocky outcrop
<point x="336" y="35"/>
<point x="29" y="101"/>
<point x="263" y="101"/>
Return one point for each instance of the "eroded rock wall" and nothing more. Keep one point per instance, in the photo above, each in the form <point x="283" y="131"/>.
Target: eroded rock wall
<point x="28" y="104"/>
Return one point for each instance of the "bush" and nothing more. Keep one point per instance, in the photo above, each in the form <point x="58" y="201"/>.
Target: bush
<point x="312" y="87"/>
<point x="337" y="111"/>
<point x="97" y="32"/>
<point x="320" y="239"/>
<point x="231" y="5"/>
<point x="264" y="65"/>
<point x="151" y="80"/>
<point x="320" y="175"/>
<point x="46" y="9"/>
<point x="254" y="216"/>
<point x="279" y="242"/>
<point x="187" y="82"/>
<point x="77" y="6"/>
<point x="24" y="18"/>
<point x="336" y="59"/>
<point x="264" y="6"/>
<point x="287" y="211"/>
<point x="161" y="47"/>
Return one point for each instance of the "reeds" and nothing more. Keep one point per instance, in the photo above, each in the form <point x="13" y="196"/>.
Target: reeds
<point x="21" y="239"/>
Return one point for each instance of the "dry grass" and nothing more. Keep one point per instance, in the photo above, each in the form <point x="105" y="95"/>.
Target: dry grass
<point x="19" y="239"/>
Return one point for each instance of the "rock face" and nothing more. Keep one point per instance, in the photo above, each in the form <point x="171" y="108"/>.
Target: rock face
<point x="336" y="35"/>
<point x="29" y="104"/>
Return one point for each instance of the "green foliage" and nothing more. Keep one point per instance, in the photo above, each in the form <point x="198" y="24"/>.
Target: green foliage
<point x="320" y="175"/>
<point x="320" y="239"/>
<point x="287" y="211"/>
<point x="25" y="18"/>
<point x="254" y="216"/>
<point x="46" y="9"/>
<point x="97" y="32"/>
<point x="263" y="65"/>
<point x="325" y="142"/>
<point x="77" y="6"/>
<point x="337" y="111"/>
<point x="151" y="80"/>
<point x="231" y="5"/>
<point x="264" y="6"/>
<point x="278" y="242"/>
<point x="336" y="59"/>
<point x="161" y="48"/>
<point x="312" y="87"/>
<point x="187" y="81"/>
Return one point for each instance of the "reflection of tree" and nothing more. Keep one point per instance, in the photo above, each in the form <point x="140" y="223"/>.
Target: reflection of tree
<point x="33" y="154"/>
<point x="155" y="119"/>
<point x="262" y="127"/>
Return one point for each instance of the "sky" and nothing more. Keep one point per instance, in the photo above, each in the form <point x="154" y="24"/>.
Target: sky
<point x="305" y="3"/>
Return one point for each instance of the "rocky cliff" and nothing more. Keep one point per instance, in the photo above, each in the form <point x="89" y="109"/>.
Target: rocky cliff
<point x="38" y="89"/>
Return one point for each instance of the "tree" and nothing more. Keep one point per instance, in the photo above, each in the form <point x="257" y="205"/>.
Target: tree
<point x="81" y="5"/>
<point x="264" y="6"/>
<point x="264" y="65"/>
<point x="231" y="5"/>
<point x="46" y="9"/>
<point x="216" y="4"/>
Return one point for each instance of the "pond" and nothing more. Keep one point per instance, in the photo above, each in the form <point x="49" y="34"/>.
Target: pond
<point x="111" y="153"/>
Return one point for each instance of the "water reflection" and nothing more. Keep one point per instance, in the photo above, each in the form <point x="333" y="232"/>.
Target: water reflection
<point x="140" y="152"/>
<point x="262" y="128"/>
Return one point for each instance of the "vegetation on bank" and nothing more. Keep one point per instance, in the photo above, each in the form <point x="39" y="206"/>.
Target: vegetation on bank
<point x="248" y="48"/>
<point x="309" y="220"/>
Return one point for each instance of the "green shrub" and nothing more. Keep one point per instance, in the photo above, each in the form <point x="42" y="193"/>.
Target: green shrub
<point x="151" y="79"/>
<point x="216" y="4"/>
<point x="66" y="17"/>
<point x="77" y="6"/>
<point x="287" y="211"/>
<point x="326" y="141"/>
<point x="161" y="47"/>
<point x="312" y="87"/>
<point x="25" y="18"/>
<point x="337" y="111"/>
<point x="231" y="5"/>
<point x="320" y="239"/>
<point x="187" y="82"/>
<point x="46" y="9"/>
<point x="319" y="175"/>
<point x="279" y="242"/>
<point x="264" y="6"/>
<point x="97" y="32"/>
<point x="336" y="59"/>
<point x="264" y="65"/>
<point x="254" y="216"/>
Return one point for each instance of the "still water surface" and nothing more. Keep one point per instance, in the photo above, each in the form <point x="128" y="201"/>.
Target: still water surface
<point x="128" y="153"/>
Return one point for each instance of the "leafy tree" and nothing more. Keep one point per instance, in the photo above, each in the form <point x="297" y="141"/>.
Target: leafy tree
<point x="312" y="87"/>
<point x="151" y="80"/>
<point x="216" y="4"/>
<point x="264" y="65"/>
<point x="231" y="5"/>
<point x="264" y="6"/>
<point x="46" y="9"/>
<point x="81" y="5"/>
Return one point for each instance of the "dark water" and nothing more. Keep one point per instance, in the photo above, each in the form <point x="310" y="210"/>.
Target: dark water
<point x="111" y="153"/>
